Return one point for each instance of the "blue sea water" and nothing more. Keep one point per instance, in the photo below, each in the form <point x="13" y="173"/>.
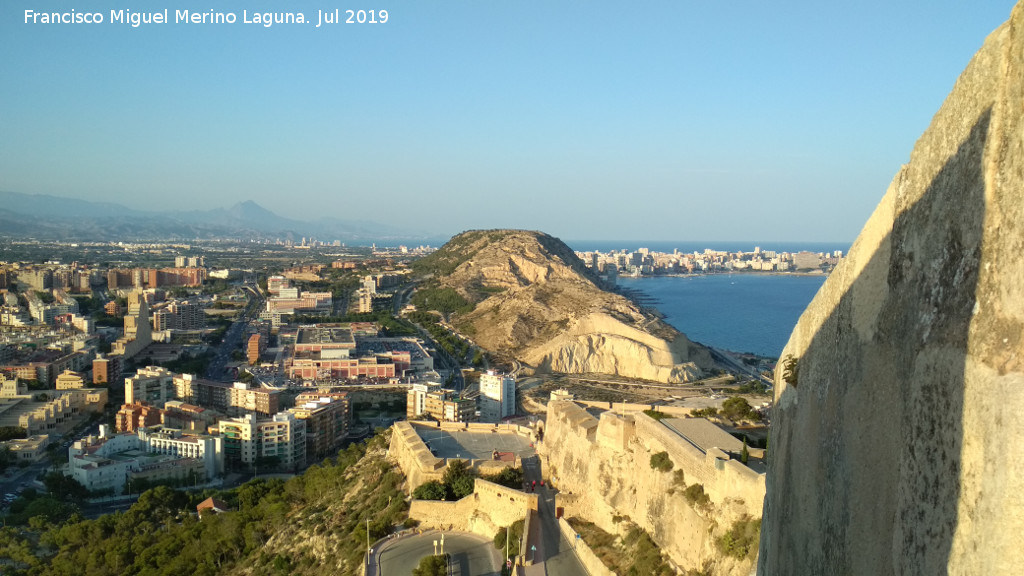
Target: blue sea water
<point x="738" y="312"/>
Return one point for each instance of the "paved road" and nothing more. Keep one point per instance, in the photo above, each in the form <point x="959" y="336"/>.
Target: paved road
<point x="471" y="555"/>
<point x="554" y="550"/>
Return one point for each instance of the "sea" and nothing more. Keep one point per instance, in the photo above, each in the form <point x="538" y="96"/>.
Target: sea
<point x="741" y="312"/>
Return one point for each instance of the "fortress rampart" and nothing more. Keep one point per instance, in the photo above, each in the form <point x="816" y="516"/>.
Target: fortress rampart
<point x="601" y="467"/>
<point x="420" y="465"/>
<point x="483" y="512"/>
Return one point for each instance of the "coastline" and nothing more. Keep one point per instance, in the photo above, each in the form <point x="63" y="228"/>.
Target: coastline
<point x="745" y="273"/>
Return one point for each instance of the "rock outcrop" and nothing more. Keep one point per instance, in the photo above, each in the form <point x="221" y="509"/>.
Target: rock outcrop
<point x="537" y="303"/>
<point x="893" y="448"/>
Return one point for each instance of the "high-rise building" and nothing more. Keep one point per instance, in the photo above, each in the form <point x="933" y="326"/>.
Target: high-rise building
<point x="497" y="396"/>
<point x="327" y="417"/>
<point x="153" y="385"/>
<point x="106" y="369"/>
<point x="251" y="442"/>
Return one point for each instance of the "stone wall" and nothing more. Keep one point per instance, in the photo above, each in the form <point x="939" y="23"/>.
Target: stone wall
<point x="490" y="507"/>
<point x="602" y="470"/>
<point x="890" y="449"/>
<point x="421" y="466"/>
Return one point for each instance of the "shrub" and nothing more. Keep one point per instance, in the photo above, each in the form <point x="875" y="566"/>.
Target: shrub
<point x="508" y="477"/>
<point x="432" y="490"/>
<point x="661" y="462"/>
<point x="695" y="495"/>
<point x="704" y="412"/>
<point x="656" y="415"/>
<point x="742" y="538"/>
<point x="791" y="370"/>
<point x="515" y="533"/>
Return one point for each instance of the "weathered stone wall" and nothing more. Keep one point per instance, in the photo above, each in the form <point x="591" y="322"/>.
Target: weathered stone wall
<point x="888" y="450"/>
<point x="602" y="470"/>
<point x="413" y="456"/>
<point x="421" y="466"/>
<point x="483" y="512"/>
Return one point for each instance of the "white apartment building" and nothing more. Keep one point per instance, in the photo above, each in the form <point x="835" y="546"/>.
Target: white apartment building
<point x="497" y="396"/>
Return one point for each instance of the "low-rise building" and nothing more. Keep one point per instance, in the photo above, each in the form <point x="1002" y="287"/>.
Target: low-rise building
<point x="111" y="463"/>
<point x="430" y="400"/>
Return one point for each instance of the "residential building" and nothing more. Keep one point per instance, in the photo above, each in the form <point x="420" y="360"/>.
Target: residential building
<point x="132" y="417"/>
<point x="255" y="348"/>
<point x="69" y="379"/>
<point x="106" y="369"/>
<point x="153" y="385"/>
<point x="497" y="396"/>
<point x="327" y="420"/>
<point x="237" y="398"/>
<point x="279" y="441"/>
<point x="429" y="399"/>
<point x="153" y="454"/>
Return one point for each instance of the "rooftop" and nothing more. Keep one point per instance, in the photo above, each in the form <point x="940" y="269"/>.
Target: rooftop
<point x="330" y="335"/>
<point x="703" y="434"/>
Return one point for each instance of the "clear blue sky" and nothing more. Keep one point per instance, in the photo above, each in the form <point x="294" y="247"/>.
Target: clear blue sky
<point x="659" y="120"/>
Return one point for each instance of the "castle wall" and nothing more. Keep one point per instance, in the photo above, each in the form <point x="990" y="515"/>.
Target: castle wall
<point x="489" y="508"/>
<point x="602" y="470"/>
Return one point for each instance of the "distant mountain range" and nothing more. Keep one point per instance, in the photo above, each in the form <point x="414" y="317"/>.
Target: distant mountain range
<point x="45" y="217"/>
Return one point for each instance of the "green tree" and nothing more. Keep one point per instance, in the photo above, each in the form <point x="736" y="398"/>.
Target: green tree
<point x="432" y="566"/>
<point x="737" y="408"/>
<point x="432" y="490"/>
<point x="508" y="477"/>
<point x="745" y="454"/>
<point x="459" y="479"/>
<point x="12" y="432"/>
<point x="515" y="535"/>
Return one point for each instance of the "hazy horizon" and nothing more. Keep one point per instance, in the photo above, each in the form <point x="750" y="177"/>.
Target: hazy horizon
<point x="599" y="120"/>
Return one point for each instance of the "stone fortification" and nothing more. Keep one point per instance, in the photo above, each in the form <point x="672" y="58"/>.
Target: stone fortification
<point x="490" y="507"/>
<point x="420" y="465"/>
<point x="601" y="466"/>
<point x="891" y="448"/>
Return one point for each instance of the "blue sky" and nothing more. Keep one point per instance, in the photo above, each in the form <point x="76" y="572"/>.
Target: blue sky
<point x="744" y="120"/>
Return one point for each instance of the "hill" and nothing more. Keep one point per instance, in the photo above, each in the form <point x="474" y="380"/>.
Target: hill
<point x="526" y="296"/>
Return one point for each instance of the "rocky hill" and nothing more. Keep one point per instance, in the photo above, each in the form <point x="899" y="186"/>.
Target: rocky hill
<point x="890" y="451"/>
<point x="533" y="300"/>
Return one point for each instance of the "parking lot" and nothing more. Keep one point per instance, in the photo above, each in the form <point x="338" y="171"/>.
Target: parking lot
<point x="475" y="445"/>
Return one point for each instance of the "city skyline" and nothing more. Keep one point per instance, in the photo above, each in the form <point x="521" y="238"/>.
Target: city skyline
<point x="678" y="121"/>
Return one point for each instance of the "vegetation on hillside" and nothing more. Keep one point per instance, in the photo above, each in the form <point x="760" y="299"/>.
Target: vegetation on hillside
<point x="315" y="523"/>
<point x="742" y="539"/>
<point x="456" y="251"/>
<point x="634" y="554"/>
